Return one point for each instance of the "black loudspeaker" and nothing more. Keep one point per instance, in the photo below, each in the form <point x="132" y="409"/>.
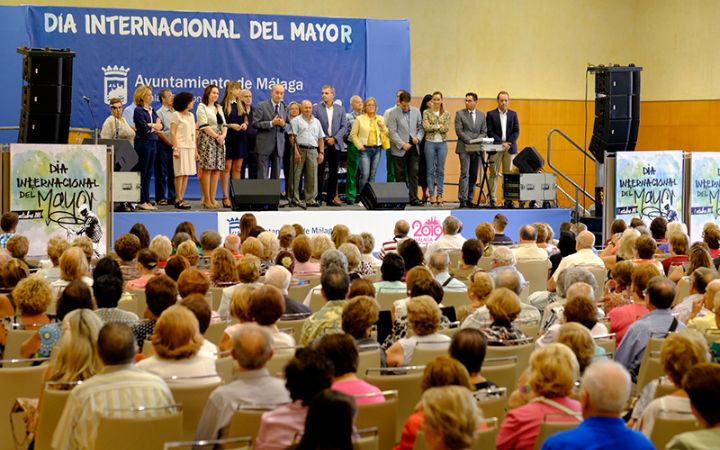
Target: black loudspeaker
<point x="384" y="196"/>
<point x="529" y="160"/>
<point x="617" y="110"/>
<point x="47" y="97"/>
<point x="255" y="195"/>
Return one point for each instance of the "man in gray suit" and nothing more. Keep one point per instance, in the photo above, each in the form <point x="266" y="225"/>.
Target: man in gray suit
<point x="334" y="124"/>
<point x="406" y="131"/>
<point x="269" y="119"/>
<point x="469" y="125"/>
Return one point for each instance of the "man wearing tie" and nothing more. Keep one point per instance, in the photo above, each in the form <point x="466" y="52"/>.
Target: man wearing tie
<point x="406" y="132"/>
<point x="269" y="120"/>
<point x="469" y="125"/>
<point x="334" y="125"/>
<point x="503" y="127"/>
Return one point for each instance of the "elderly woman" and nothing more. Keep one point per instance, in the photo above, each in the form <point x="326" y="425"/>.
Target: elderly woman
<point x="678" y="248"/>
<point x="223" y="268"/>
<point x="617" y="289"/>
<point x="442" y="371"/>
<point x="176" y="264"/>
<point x="581" y="342"/>
<point x="253" y="246"/>
<point x="55" y="248"/>
<point x="271" y="247"/>
<point x="147" y="264"/>
<point x="352" y="253"/>
<point x="302" y="249"/>
<point x="320" y="243"/>
<point x="339" y="234"/>
<point x="11" y="273"/>
<point x="127" y="247"/>
<point x="162" y="247"/>
<point x="286" y="235"/>
<point x="699" y="256"/>
<point x="504" y="307"/>
<point x="411" y="253"/>
<point x="147" y="126"/>
<point x="189" y="251"/>
<point x="329" y="407"/>
<point x="553" y="372"/>
<point x="711" y="236"/>
<point x="73" y="267"/>
<point x="239" y="310"/>
<point x="398" y="311"/>
<point x="32" y="296"/>
<point x="192" y="281"/>
<point x="566" y="245"/>
<point x="341" y="351"/>
<point x="468" y="347"/>
<point x="74" y="358"/>
<point x="177" y="341"/>
<point x="580" y="309"/>
<point x="451" y="418"/>
<point x="480" y="286"/>
<point x="485" y="233"/>
<point x="369" y="135"/>
<point x="368" y="245"/>
<point x="424" y="321"/>
<point x="358" y="318"/>
<point x="265" y="307"/>
<point x="679" y="353"/>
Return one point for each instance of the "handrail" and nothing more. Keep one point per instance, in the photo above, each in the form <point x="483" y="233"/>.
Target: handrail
<point x="577" y="187"/>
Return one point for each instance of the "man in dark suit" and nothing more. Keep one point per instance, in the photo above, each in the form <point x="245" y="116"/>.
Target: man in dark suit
<point x="334" y="124"/>
<point x="269" y="120"/>
<point x="504" y="128"/>
<point x="469" y="125"/>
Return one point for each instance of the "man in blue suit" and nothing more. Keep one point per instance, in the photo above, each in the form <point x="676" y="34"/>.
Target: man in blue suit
<point x="504" y="128"/>
<point x="334" y="124"/>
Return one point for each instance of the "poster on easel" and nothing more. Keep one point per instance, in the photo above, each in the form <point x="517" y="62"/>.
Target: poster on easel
<point x="60" y="190"/>
<point x="648" y="185"/>
<point x="704" y="192"/>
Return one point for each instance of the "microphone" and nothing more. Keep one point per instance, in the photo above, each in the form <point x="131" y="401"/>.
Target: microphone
<point x="86" y="98"/>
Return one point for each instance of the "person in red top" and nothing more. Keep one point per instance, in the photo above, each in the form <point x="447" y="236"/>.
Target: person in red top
<point x="711" y="236"/>
<point x="623" y="316"/>
<point x="678" y="247"/>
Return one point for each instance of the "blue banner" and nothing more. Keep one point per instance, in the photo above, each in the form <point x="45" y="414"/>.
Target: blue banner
<point x="118" y="50"/>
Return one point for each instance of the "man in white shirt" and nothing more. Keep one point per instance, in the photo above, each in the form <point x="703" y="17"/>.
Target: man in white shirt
<point x="115" y="126"/>
<point x="164" y="173"/>
<point x="584" y="257"/>
<point x="450" y="240"/>
<point x="527" y="249"/>
<point x="120" y="385"/>
<point x="439" y="263"/>
<point x="307" y="140"/>
<point x="334" y="124"/>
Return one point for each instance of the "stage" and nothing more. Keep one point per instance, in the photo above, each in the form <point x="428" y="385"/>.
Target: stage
<point x="425" y="221"/>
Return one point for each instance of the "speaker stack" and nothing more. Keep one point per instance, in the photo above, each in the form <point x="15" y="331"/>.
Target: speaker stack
<point x="255" y="195"/>
<point x="384" y="196"/>
<point x="46" y="95"/>
<point x="617" y="110"/>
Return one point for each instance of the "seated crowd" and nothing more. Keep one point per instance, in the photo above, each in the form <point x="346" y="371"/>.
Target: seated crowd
<point x="163" y="312"/>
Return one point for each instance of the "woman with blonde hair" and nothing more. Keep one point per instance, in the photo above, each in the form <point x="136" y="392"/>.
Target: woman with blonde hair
<point x="74" y="357"/>
<point x="553" y="372"/>
<point x="451" y="418"/>
<point x="370" y="136"/>
<point x="436" y="122"/>
<point x="55" y="248"/>
<point x="339" y="234"/>
<point x="479" y="289"/>
<point x="31" y="296"/>
<point x="223" y="268"/>
<point x="236" y="139"/>
<point x="423" y="316"/>
<point x="189" y="251"/>
<point x="147" y="126"/>
<point x="211" y="144"/>
<point x="162" y="247"/>
<point x="581" y="342"/>
<point x="271" y="247"/>
<point x="239" y="310"/>
<point x="320" y="244"/>
<point x="177" y="341"/>
<point x="73" y="266"/>
<point x="504" y="307"/>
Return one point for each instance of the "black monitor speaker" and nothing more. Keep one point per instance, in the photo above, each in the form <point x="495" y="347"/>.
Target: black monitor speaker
<point x="255" y="195"/>
<point x="384" y="196"/>
<point x="529" y="160"/>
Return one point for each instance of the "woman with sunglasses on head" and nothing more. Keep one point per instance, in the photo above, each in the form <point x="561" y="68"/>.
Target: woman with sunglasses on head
<point x="115" y="126"/>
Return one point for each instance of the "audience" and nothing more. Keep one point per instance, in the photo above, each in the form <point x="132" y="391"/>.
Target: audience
<point x="302" y="250"/>
<point x="197" y="304"/>
<point x="335" y="283"/>
<point x="578" y="338"/>
<point x="107" y="290"/>
<point x="702" y="317"/>
<point x="439" y="264"/>
<point x="31" y="297"/>
<point x="223" y="270"/>
<point x="499" y="223"/>
<point x="470" y="255"/>
<point x="480" y="286"/>
<point x="74" y="358"/>
<point x="56" y="246"/>
<point x="699" y="282"/>
<point x="468" y="347"/>
<point x="584" y="256"/>
<point x="527" y="248"/>
<point x="400" y="233"/>
<point x="280" y="277"/>
<point x="358" y="318"/>
<point x="160" y="294"/>
<point x="127" y="247"/>
<point x="8" y="227"/>
<point x="622" y="317"/>
<point x="423" y="317"/>
<point x="503" y="307"/>
<point x="265" y="307"/>
<point x="503" y="260"/>
<point x="451" y="238"/>
<point x="392" y="270"/>
<point x="162" y="247"/>
<point x="239" y="309"/>
<point x="702" y="385"/>
<point x="73" y="267"/>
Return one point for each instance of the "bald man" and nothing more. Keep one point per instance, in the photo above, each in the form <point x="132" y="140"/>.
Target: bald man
<point x="308" y="144"/>
<point x="585" y="257"/>
<point x="400" y="233"/>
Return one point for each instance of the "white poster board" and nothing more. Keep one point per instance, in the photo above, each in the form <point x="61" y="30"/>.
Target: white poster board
<point x="704" y="192"/>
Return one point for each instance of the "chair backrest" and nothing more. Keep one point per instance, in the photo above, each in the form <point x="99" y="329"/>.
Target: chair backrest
<point x="386" y="298"/>
<point x="535" y="273"/>
<point x="368" y="439"/>
<point x="51" y="407"/>
<point x="455" y="299"/>
<point x="141" y="302"/>
<point x="367" y="359"/>
<point x="128" y="304"/>
<point x="316" y="300"/>
<point x="406" y="381"/>
<point x="521" y="351"/>
<point x="665" y="428"/>
<point x="682" y="290"/>
<point x="294" y="326"/>
<point x="299" y="291"/>
<point x="424" y="352"/>
<point x="501" y="371"/>
<point x="193" y="399"/>
<point x="649" y="364"/>
<point x="215" y="331"/>
<point x="25" y="382"/>
<point x="485" y="263"/>
<point x="530" y="328"/>
<point x="712" y="335"/>
<point x="451" y="331"/>
<point x="236" y="443"/>
<point x="493" y="402"/>
<point x="13" y="342"/>
<point x="555" y="423"/>
<point x="225" y="367"/>
<point x="455" y="258"/>
<point x="216" y="297"/>
<point x="121" y="430"/>
<point x="280" y="358"/>
<point x="600" y="274"/>
<point x="246" y="420"/>
<point x="383" y="416"/>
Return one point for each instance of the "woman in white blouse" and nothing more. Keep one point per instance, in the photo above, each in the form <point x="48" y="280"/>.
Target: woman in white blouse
<point x="211" y="144"/>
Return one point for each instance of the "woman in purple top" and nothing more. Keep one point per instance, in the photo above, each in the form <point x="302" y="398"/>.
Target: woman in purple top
<point x="147" y="125"/>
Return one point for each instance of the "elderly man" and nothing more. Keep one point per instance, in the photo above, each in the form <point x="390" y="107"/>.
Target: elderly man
<point x="503" y="259"/>
<point x="576" y="282"/>
<point x="400" y="233"/>
<point x="702" y="316"/>
<point x="209" y="241"/>
<point x="657" y="323"/>
<point x="253" y="384"/>
<point x="280" y="277"/>
<point x="164" y="172"/>
<point x="439" y="264"/>
<point x="328" y="319"/>
<point x="119" y="385"/>
<point x="308" y="141"/>
<point x="356" y="103"/>
<point x="527" y="249"/>
<point x="508" y="279"/>
<point x="269" y="120"/>
<point x="584" y="257"/>
<point x="604" y="392"/>
<point x="450" y="240"/>
<point x="115" y="126"/>
<point x="334" y="125"/>
<point x="701" y="278"/>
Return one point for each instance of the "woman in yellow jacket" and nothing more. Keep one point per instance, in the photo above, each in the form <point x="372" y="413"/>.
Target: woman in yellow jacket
<point x="436" y="122"/>
<point x="370" y="136"/>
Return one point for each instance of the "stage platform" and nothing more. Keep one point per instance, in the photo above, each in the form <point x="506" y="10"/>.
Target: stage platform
<point x="425" y="222"/>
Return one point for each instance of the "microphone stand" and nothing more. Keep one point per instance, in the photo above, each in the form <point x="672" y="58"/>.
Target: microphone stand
<point x="92" y="115"/>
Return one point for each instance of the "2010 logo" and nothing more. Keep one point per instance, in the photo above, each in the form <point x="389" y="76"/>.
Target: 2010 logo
<point x="115" y="83"/>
